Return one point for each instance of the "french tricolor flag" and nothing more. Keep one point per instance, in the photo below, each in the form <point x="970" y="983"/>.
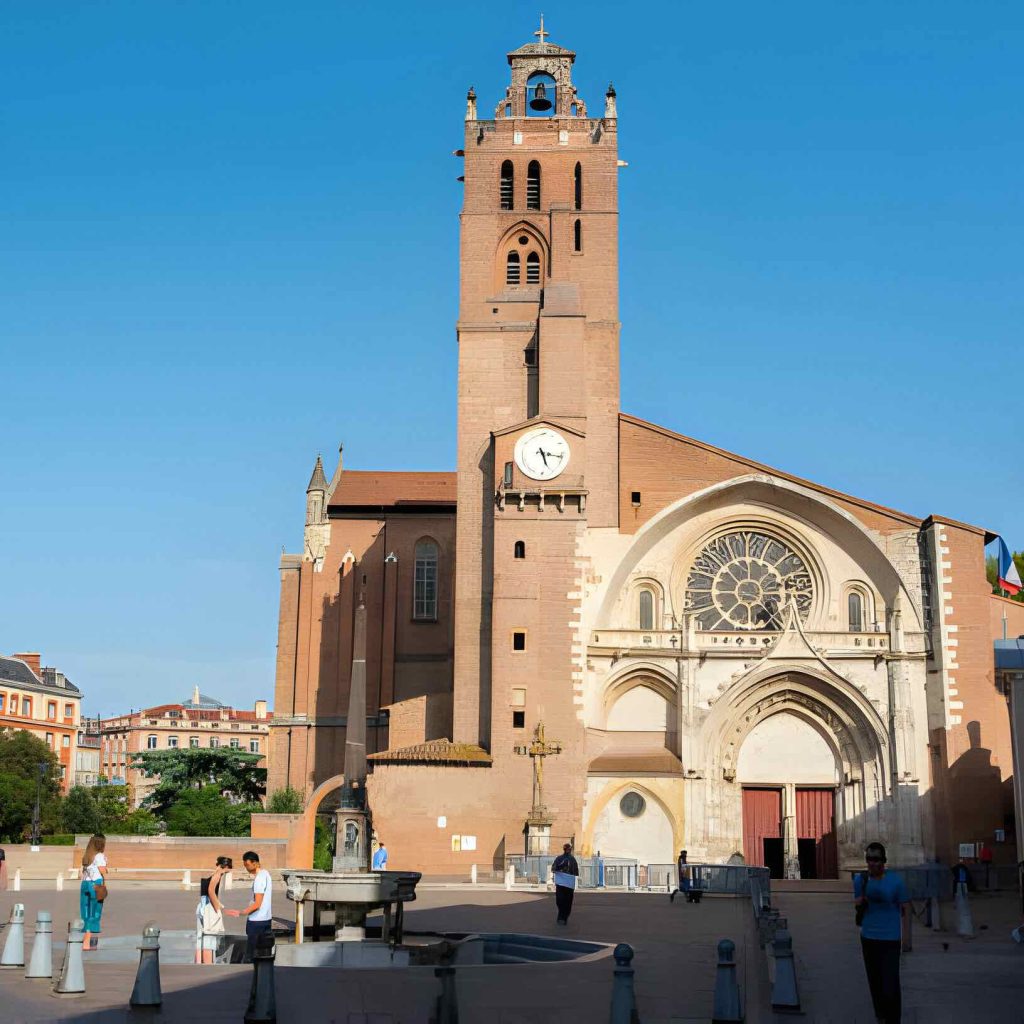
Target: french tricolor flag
<point x="1009" y="578"/>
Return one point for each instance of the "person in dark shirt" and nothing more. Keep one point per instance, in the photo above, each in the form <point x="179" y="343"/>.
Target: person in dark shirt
<point x="565" y="870"/>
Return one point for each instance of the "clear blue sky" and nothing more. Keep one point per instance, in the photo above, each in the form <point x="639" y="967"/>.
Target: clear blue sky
<point x="205" y="206"/>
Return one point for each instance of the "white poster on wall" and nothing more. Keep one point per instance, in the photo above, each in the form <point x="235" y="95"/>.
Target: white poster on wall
<point x="442" y="822"/>
<point x="469" y="842"/>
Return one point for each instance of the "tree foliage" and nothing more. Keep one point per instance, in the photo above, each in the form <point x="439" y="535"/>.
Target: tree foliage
<point x="206" y="812"/>
<point x="21" y="754"/>
<point x="80" y="813"/>
<point x="285" y="801"/>
<point x="992" y="573"/>
<point x="231" y="772"/>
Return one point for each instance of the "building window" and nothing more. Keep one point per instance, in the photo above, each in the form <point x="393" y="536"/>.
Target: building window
<point x="646" y="610"/>
<point x="69" y="710"/>
<point x="193" y="742"/>
<point x="151" y="743"/>
<point x="3" y="699"/>
<point x="519" y="549"/>
<point x="172" y="742"/>
<point x="234" y="743"/>
<point x="26" y="707"/>
<point x="855" y="608"/>
<point x="51" y="710"/>
<point x="578" y="189"/>
<point x="577" y="236"/>
<point x="507" y="188"/>
<point x="65" y="741"/>
<point x="512" y="269"/>
<point x="533" y="269"/>
<point x="254" y="746"/>
<point x="519" y="640"/>
<point x="518" y="719"/>
<point x="424" y="601"/>
<point x="214" y="742"/>
<point x="506" y="479"/>
<point x="49" y="739"/>
<point x="519" y="696"/>
<point x="533" y="186"/>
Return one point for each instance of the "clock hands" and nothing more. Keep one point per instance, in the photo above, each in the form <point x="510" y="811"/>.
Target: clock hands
<point x="543" y="455"/>
<point x="555" y="455"/>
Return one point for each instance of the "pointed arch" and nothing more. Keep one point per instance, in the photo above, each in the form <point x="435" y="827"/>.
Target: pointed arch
<point x="521" y="239"/>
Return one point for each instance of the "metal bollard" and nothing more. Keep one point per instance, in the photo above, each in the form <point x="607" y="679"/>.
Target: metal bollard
<point x="14" y="947"/>
<point x="71" y="980"/>
<point x="785" y="996"/>
<point x="40" y="964"/>
<point x="147" y="978"/>
<point x="728" y="1004"/>
<point x="964" y="921"/>
<point x="262" y="1007"/>
<point x="447" y="1001"/>
<point x="623" y="996"/>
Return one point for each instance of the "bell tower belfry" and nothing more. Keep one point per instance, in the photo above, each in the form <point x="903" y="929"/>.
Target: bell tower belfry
<point x="538" y="335"/>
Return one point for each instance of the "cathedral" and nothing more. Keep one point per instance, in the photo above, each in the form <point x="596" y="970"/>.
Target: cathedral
<point x="599" y="630"/>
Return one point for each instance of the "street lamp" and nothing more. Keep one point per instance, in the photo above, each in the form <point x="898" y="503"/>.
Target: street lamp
<point x="35" y="813"/>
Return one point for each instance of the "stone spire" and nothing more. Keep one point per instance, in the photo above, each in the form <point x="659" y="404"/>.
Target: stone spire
<point x="318" y="481"/>
<point x="318" y="530"/>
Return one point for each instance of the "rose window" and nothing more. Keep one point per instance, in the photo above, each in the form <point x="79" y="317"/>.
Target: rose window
<point x="744" y="580"/>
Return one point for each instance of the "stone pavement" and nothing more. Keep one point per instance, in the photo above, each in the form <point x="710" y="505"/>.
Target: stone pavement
<point x="675" y="956"/>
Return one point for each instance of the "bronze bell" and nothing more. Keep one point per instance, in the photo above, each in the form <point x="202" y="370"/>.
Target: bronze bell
<point x="540" y="99"/>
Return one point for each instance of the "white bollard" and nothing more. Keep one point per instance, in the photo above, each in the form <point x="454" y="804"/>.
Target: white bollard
<point x="16" y="884"/>
<point x="186" y="879"/>
<point x="60" y="882"/>
<point x="71" y="980"/>
<point x="551" y="878"/>
<point x="40" y="964"/>
<point x="14" y="947"/>
<point x="510" y="877"/>
<point x="728" y="1004"/>
<point x="147" y="978"/>
<point x="229" y="881"/>
<point x="472" y="874"/>
<point x="964" y="921"/>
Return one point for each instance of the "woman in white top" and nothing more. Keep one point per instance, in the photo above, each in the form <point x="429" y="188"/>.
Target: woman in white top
<point x="209" y="913"/>
<point x="94" y="873"/>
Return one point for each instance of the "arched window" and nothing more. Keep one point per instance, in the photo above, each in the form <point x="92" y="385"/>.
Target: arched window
<point x="533" y="269"/>
<point x="855" y="607"/>
<point x="424" y="591"/>
<point x="578" y="183"/>
<point x="533" y="186"/>
<point x="577" y="236"/>
<point x="646" y="610"/>
<point x="507" y="187"/>
<point x="519" y="549"/>
<point x="512" y="268"/>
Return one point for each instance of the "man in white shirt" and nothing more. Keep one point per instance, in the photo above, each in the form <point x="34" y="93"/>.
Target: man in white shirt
<point x="260" y="912"/>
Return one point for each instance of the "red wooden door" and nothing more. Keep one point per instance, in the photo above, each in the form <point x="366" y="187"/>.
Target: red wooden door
<point x="762" y="819"/>
<point x="816" y="819"/>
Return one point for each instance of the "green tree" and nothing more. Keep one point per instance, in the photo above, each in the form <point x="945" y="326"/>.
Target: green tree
<point x="206" y="812"/>
<point x="21" y="754"/>
<point x="285" y="801"/>
<point x="992" y="573"/>
<point x="141" y="823"/>
<point x="114" y="804"/>
<point x="79" y="812"/>
<point x="323" y="844"/>
<point x="232" y="772"/>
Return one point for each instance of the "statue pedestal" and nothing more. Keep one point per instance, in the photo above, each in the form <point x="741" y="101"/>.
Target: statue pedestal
<point x="352" y="839"/>
<point x="537" y="833"/>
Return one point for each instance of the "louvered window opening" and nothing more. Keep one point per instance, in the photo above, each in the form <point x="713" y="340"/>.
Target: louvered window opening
<point x="533" y="186"/>
<point x="512" y="268"/>
<point x="507" y="188"/>
<point x="533" y="269"/>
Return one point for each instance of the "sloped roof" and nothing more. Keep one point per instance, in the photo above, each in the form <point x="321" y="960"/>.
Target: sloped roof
<point x="654" y="762"/>
<point x="373" y="489"/>
<point x="540" y="50"/>
<point x="434" y="752"/>
<point x="14" y="670"/>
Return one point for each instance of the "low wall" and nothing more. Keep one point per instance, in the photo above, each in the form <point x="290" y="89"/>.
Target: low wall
<point x="181" y="852"/>
<point x="44" y="864"/>
<point x="294" y="830"/>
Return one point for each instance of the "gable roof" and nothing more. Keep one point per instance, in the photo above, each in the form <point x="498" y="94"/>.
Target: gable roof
<point x="370" y="489"/>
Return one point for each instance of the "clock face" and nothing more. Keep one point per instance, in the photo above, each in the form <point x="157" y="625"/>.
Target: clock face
<point x="542" y="453"/>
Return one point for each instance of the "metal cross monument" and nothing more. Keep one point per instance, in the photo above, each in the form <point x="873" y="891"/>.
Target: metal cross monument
<point x="541" y="33"/>
<point x="538" y="750"/>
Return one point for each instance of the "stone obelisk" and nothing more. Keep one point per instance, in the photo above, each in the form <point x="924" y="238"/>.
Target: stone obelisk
<point x="352" y="841"/>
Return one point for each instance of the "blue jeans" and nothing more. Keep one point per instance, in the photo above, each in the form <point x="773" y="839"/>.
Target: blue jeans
<point x="252" y="929"/>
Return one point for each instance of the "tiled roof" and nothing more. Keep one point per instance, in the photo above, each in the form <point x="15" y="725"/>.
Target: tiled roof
<point x="14" y="670"/>
<point x="660" y="762"/>
<point x="434" y="752"/>
<point x="372" y="489"/>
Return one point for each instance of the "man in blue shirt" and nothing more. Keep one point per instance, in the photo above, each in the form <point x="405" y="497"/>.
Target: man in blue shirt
<point x="380" y="858"/>
<point x="881" y="899"/>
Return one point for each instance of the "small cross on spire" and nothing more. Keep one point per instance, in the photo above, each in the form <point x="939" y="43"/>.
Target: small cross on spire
<point x="540" y="32"/>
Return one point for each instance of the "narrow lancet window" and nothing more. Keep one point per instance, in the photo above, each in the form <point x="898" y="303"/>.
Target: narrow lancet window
<point x="577" y="236"/>
<point x="578" y="181"/>
<point x="507" y="186"/>
<point x="512" y="268"/>
<point x="533" y="186"/>
<point x="533" y="269"/>
<point x="855" y="605"/>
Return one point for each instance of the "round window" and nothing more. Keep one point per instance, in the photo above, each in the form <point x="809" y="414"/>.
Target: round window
<point x="524" y="240"/>
<point x="632" y="805"/>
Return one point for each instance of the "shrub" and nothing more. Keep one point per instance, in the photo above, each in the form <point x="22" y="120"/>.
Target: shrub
<point x="285" y="801"/>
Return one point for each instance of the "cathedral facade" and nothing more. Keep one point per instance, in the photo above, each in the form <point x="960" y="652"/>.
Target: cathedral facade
<point x="601" y="630"/>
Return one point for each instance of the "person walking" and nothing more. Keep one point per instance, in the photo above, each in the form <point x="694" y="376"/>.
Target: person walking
<point x="880" y="899"/>
<point x="683" y="879"/>
<point x="93" y="890"/>
<point x="260" y="911"/>
<point x="210" y="913"/>
<point x="380" y="857"/>
<point x="565" y="870"/>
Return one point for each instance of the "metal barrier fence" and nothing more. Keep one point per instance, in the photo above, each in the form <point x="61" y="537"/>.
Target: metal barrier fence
<point x="621" y="873"/>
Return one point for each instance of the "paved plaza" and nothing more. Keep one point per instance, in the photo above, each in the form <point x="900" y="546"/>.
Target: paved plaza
<point x="675" y="943"/>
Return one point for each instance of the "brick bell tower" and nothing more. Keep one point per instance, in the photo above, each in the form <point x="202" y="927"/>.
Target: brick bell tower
<point x="538" y="405"/>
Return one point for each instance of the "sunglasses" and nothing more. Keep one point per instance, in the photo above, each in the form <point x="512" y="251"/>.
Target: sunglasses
<point x="875" y="860"/>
